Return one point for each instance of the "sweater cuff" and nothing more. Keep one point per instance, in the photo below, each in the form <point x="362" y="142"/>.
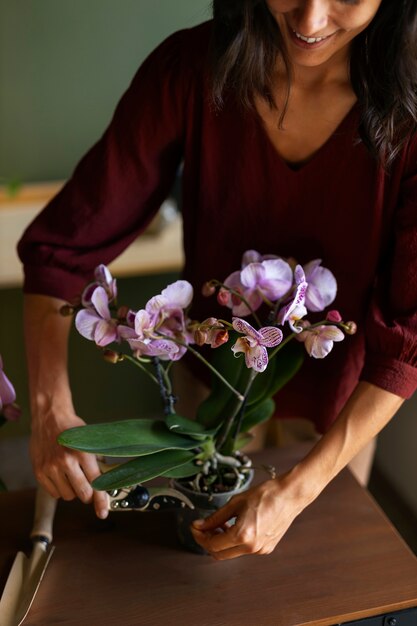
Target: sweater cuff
<point x="53" y="281"/>
<point x="390" y="374"/>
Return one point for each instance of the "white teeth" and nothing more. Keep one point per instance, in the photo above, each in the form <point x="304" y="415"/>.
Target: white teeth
<point x="308" y="39"/>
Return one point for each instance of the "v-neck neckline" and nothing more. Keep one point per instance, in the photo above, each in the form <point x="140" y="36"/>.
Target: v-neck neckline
<point x="295" y="168"/>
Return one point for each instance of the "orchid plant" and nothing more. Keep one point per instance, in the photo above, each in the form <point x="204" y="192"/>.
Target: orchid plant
<point x="206" y="452"/>
<point x="9" y="410"/>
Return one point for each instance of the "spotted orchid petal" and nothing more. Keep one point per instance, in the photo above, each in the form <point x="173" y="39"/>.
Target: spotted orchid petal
<point x="164" y="349"/>
<point x="256" y="356"/>
<point x="271" y="336"/>
<point x="253" y="343"/>
<point x="322" y="286"/>
<point x="246" y="329"/>
<point x="295" y="309"/>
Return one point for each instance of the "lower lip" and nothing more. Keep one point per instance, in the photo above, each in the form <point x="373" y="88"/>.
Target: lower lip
<point x="304" y="44"/>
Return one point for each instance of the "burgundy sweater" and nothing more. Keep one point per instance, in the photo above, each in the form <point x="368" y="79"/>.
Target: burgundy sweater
<point x="238" y="193"/>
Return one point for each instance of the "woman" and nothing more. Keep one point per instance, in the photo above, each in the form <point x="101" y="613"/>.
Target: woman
<point x="299" y="141"/>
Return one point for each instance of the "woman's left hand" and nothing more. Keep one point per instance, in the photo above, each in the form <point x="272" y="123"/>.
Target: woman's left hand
<point x="263" y="515"/>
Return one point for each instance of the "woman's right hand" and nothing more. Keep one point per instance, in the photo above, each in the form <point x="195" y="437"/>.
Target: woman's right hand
<point x="64" y="473"/>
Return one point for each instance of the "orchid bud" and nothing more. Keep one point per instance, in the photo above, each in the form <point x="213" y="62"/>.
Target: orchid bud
<point x="334" y="316"/>
<point x="66" y="310"/>
<point x="111" y="356"/>
<point x="122" y="312"/>
<point x="200" y="337"/>
<point x="223" y="297"/>
<point x="350" y="328"/>
<point x="208" y="289"/>
<point x="221" y="337"/>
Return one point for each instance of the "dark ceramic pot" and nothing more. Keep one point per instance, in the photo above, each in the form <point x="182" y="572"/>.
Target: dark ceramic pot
<point x="204" y="505"/>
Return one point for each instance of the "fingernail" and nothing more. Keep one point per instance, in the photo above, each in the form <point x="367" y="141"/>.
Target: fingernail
<point x="198" y="523"/>
<point x="103" y="514"/>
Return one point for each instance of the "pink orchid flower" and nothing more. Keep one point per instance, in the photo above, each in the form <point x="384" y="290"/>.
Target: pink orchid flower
<point x="95" y="323"/>
<point x="319" y="341"/>
<point x="144" y="341"/>
<point x="270" y="279"/>
<point x="103" y="278"/>
<point x="255" y="342"/>
<point x="253" y="256"/>
<point x="8" y="408"/>
<point x="322" y="286"/>
<point x="158" y="327"/>
<point x="295" y="310"/>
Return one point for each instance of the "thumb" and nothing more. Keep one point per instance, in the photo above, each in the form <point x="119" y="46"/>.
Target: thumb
<point x="217" y="519"/>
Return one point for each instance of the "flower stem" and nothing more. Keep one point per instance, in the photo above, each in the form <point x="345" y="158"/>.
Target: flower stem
<point x="237" y="412"/>
<point x="165" y="387"/>
<point x="127" y="357"/>
<point x="241" y="297"/>
<point x="207" y="363"/>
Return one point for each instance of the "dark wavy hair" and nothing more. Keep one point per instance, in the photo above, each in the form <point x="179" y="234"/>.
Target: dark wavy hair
<point x="383" y="66"/>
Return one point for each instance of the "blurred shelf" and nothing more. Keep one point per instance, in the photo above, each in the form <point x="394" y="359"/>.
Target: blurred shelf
<point x="159" y="249"/>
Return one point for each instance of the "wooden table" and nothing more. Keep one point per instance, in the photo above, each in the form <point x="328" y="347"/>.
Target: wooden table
<point x="340" y="561"/>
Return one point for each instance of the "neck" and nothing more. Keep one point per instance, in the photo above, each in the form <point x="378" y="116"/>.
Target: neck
<point x="333" y="72"/>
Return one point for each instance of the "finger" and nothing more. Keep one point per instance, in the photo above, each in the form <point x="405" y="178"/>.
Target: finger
<point x="49" y="486"/>
<point x="231" y="553"/>
<point x="101" y="504"/>
<point x="80" y="484"/>
<point x="63" y="486"/>
<point x="100" y="498"/>
<point x="214" y="541"/>
<point x="218" y="519"/>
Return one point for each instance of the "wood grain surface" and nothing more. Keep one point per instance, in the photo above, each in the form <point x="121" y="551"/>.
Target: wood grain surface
<point x="341" y="560"/>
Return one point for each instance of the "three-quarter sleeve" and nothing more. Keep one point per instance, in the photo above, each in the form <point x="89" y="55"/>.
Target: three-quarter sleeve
<point x="119" y="184"/>
<point x="391" y="329"/>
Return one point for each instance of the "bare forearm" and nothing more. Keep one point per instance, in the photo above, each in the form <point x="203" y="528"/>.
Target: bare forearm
<point x="365" y="414"/>
<point x="46" y="338"/>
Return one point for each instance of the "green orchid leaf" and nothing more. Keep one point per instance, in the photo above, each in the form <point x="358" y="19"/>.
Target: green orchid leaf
<point x="257" y="414"/>
<point x="125" y="438"/>
<point x="184" y="426"/>
<point x="142" y="469"/>
<point x="183" y="471"/>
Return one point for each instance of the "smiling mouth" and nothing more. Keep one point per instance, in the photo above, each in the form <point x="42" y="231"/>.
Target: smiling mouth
<point x="309" y="39"/>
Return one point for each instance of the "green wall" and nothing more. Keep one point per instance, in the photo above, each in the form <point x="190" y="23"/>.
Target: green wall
<point x="64" y="65"/>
